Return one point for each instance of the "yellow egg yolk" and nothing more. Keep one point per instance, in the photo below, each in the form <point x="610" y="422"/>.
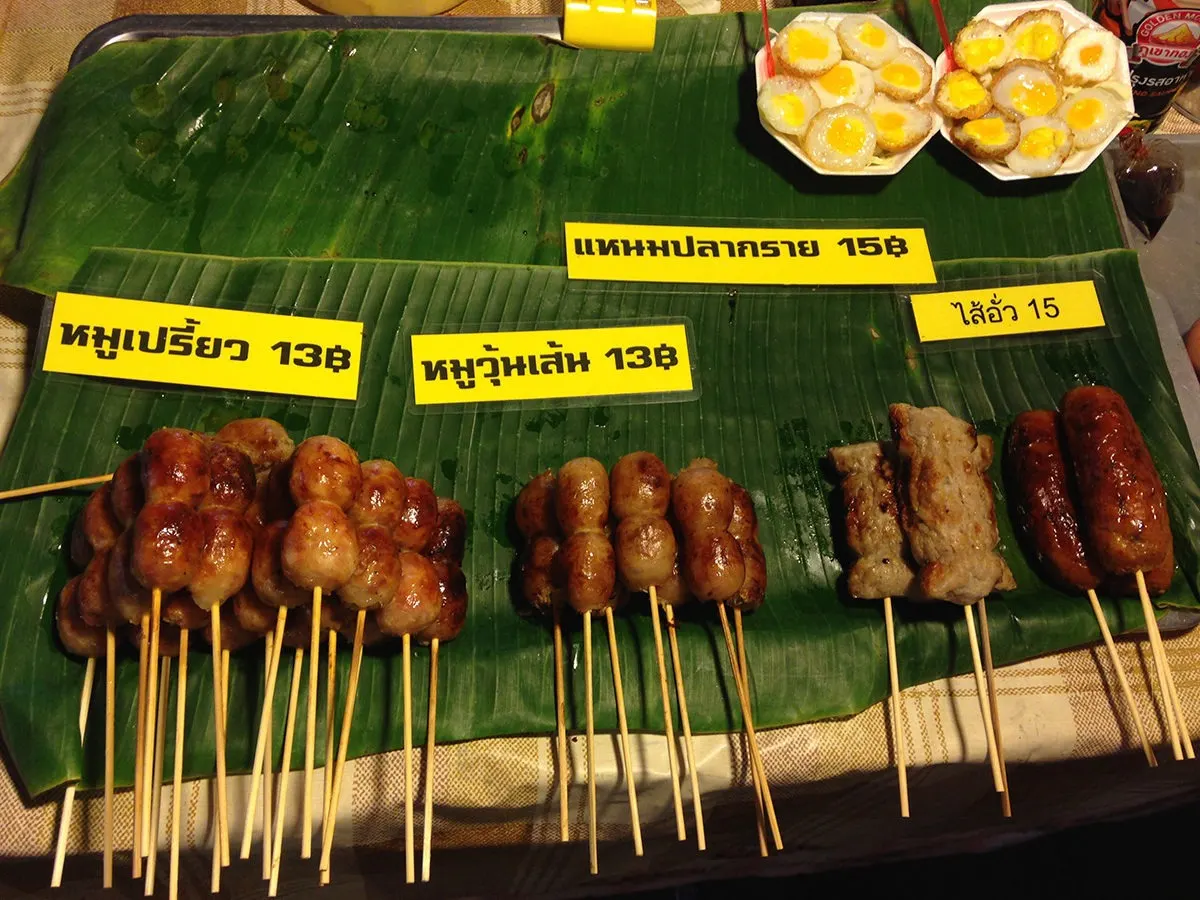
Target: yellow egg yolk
<point x="1039" y="41"/>
<point x="977" y="54"/>
<point x="1090" y="55"/>
<point x="901" y="75"/>
<point x="847" y="135"/>
<point x="790" y="108"/>
<point x="890" y="124"/>
<point x="965" y="90"/>
<point x="839" y="81"/>
<point x="1042" y="143"/>
<point x="872" y="35"/>
<point x="802" y="44"/>
<point x="1085" y="113"/>
<point x="1037" y="98"/>
<point x="991" y="132"/>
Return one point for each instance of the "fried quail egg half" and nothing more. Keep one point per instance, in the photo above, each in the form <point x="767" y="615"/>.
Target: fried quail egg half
<point x="1024" y="89"/>
<point x="1037" y="34"/>
<point x="807" y="48"/>
<point x="868" y="40"/>
<point x="1044" y="145"/>
<point x="982" y="46"/>
<point x="1093" y="115"/>
<point x="787" y="104"/>
<point x="989" y="137"/>
<point x="847" y="82"/>
<point x="1088" y="55"/>
<point x="960" y="95"/>
<point x="841" y="138"/>
<point x="898" y="125"/>
<point x="905" y="77"/>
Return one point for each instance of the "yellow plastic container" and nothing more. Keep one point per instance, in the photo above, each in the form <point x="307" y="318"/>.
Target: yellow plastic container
<point x="387" y="7"/>
<point x="611" y="24"/>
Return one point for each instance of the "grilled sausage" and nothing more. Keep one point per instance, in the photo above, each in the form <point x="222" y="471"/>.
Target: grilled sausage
<point x="1124" y="506"/>
<point x="417" y="599"/>
<point x="743" y="525"/>
<point x="126" y="493"/>
<point x="449" y="540"/>
<point x="168" y="541"/>
<point x="251" y="613"/>
<point x="641" y="485"/>
<point x="320" y="547"/>
<point x="377" y="576"/>
<point x="645" y="548"/>
<point x="168" y="639"/>
<point x="175" y="466"/>
<point x="233" y="636"/>
<point x="452" y="611"/>
<point x="380" y="500"/>
<point x="1158" y="580"/>
<point x="96" y="526"/>
<point x="674" y="591"/>
<point x="589" y="568"/>
<point x="266" y="571"/>
<point x="95" y="607"/>
<point x="541" y="574"/>
<point x="231" y="480"/>
<point x="534" y="511"/>
<point x="1040" y="484"/>
<point x="225" y="560"/>
<point x="581" y="496"/>
<point x="264" y="441"/>
<point x="419" y="518"/>
<point x="181" y="611"/>
<point x="272" y="497"/>
<point x="702" y="498"/>
<point x="77" y="637"/>
<point x="325" y="468"/>
<point x="130" y="600"/>
<point x="712" y="564"/>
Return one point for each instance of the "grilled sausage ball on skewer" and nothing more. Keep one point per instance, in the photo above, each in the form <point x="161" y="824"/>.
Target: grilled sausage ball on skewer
<point x="126" y="594"/>
<point x="711" y="561"/>
<point x="175" y="467"/>
<point x="376" y="578"/>
<point x="581" y="496"/>
<point x="180" y="610"/>
<point x="96" y="527"/>
<point x="126" y="494"/>
<point x="581" y="500"/>
<point x="95" y="606"/>
<point x="231" y="480"/>
<point x="534" y="512"/>
<point x="325" y="468"/>
<point x="320" y="547"/>
<point x="233" y="636"/>
<point x="743" y="525"/>
<point x="449" y="539"/>
<point x="641" y="485"/>
<point x="271" y="586"/>
<point x="225" y="560"/>
<point x="419" y="517"/>
<point x="542" y="581"/>
<point x="251" y="613"/>
<point x="264" y="441"/>
<point x="77" y="637"/>
<point x="644" y="539"/>
<point x="415" y="605"/>
<point x="168" y="542"/>
<point x="382" y="496"/>
<point x="446" y="552"/>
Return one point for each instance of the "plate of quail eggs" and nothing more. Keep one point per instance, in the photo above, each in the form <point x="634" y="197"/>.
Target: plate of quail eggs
<point x="850" y="94"/>
<point x="1038" y="90"/>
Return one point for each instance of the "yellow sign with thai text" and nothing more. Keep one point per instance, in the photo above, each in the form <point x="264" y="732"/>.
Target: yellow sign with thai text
<point x="607" y="251"/>
<point x="165" y="343"/>
<point x="498" y="366"/>
<point x="994" y="312"/>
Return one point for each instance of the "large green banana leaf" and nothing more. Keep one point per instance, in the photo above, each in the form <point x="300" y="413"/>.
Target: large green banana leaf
<point x="783" y="374"/>
<point x="403" y="145"/>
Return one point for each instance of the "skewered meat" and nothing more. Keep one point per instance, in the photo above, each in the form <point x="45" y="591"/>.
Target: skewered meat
<point x="873" y="533"/>
<point x="325" y="468"/>
<point x="377" y="576"/>
<point x="589" y="566"/>
<point x="320" y="547"/>
<point x="541" y="574"/>
<point x="175" y="466"/>
<point x="1158" y="580"/>
<point x="1040" y="484"/>
<point x="419" y="518"/>
<point x="415" y="605"/>
<point x="534" y="511"/>
<point x="586" y="558"/>
<point x="264" y="441"/>
<point x="130" y="600"/>
<point x="168" y="541"/>
<point x="452" y="612"/>
<point x="231" y="480"/>
<point x="266" y="571"/>
<point x="702" y="498"/>
<point x="272" y="497"/>
<point x="743" y="525"/>
<point x="381" y="498"/>
<point x="233" y="636"/>
<point x="344" y="620"/>
<point x="168" y="639"/>
<point x="674" y="591"/>
<point x="95" y="607"/>
<point x="251" y="613"/>
<point x="946" y="505"/>
<point x="77" y="637"/>
<point x="450" y="535"/>
<point x="581" y="496"/>
<point x="127" y="495"/>
<point x="179" y="610"/>
<point x="641" y="484"/>
<point x="645" y="547"/>
<point x="1124" y="506"/>
<point x="712" y="564"/>
<point x="96" y="527"/>
<point x="225" y="561"/>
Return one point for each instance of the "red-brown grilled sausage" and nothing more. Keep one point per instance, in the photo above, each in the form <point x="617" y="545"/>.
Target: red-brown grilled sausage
<point x="175" y="466"/>
<point x="325" y="468"/>
<point x="1039" y="482"/>
<point x="130" y="600"/>
<point x="96" y="526"/>
<point x="271" y="586"/>
<point x="77" y="637"/>
<point x="377" y="576"/>
<point x="181" y="611"/>
<point x="674" y="591"/>
<point x="589" y="569"/>
<point x="251" y="613"/>
<point x="232" y="483"/>
<point x="712" y="564"/>
<point x="320" y="547"/>
<point x="449" y="540"/>
<point x="95" y="607"/>
<point x="127" y="496"/>
<point x="225" y="561"/>
<point x="743" y="525"/>
<point x="452" y="611"/>
<point x="168" y="639"/>
<point x="233" y="636"/>
<point x="344" y="619"/>
<point x="1158" y="579"/>
<point x="417" y="599"/>
<point x="702" y="498"/>
<point x="645" y="548"/>
<point x="264" y="441"/>
<point x="581" y="496"/>
<point x="1124" y="506"/>
<point x="272" y="497"/>
<point x="641" y="485"/>
<point x="419" y="518"/>
<point x="541" y="574"/>
<point x="168" y="541"/>
<point x="534" y="511"/>
<point x="381" y="498"/>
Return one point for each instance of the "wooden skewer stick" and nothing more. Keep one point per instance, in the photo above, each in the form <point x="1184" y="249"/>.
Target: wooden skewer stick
<point x="688" y="748"/>
<point x="1126" y="691"/>
<point x="268" y="777"/>
<point x="289" y="734"/>
<point x="222" y="835"/>
<point x="593" y="854"/>
<point x="626" y="750"/>
<point x="110" y="715"/>
<point x="343" y="743"/>
<point x="330" y="709"/>
<point x="64" y="824"/>
<point x="139" y="750"/>
<point x="158" y="751"/>
<point x="897" y="725"/>
<point x="756" y="766"/>
<point x="668" y="718"/>
<point x="263" y="727"/>
<point x="177" y="782"/>
<point x="216" y="856"/>
<point x="430" y="748"/>
<point x="985" y="710"/>
<point x="409" y="874"/>
<point x="1161" y="665"/>
<point x="53" y="486"/>
<point x="994" y="706"/>
<point x="150" y="624"/>
<point x="560" y="715"/>
<point x="760" y="816"/>
<point x="310" y="736"/>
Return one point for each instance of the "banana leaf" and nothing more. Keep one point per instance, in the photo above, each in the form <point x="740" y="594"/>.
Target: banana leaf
<point x="783" y="374"/>
<point x="425" y="145"/>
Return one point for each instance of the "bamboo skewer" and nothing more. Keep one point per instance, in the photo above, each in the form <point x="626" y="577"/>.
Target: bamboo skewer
<point x="560" y="700"/>
<point x="668" y="723"/>
<point x="289" y="734"/>
<point x="409" y="874"/>
<point x="268" y="778"/>
<point x="626" y="750"/>
<point x="1126" y="691"/>
<point x="222" y="835"/>
<point x="53" y="486"/>
<point x="263" y="727"/>
<point x="139" y="786"/>
<point x="110" y="715"/>
<point x="64" y="824"/>
<point x="217" y="862"/>
<point x="310" y="736"/>
<point x="330" y="709"/>
<point x="343" y="744"/>
<point x="688" y="747"/>
<point x="985" y="710"/>
<point x="1160" y="665"/>
<point x="759" y="805"/>
<point x="158" y="751"/>
<point x="151" y="625"/>
<point x="994" y="706"/>
<point x="897" y="725"/>
<point x="593" y="855"/>
<point x="177" y="782"/>
<point x="430" y="748"/>
<point x="756" y="766"/>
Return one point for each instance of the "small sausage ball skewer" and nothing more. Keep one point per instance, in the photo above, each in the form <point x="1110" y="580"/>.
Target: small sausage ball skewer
<point x="96" y="526"/>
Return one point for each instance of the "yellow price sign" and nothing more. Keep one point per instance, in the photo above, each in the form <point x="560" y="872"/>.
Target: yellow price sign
<point x="994" y="312"/>
<point x="599" y="251"/>
<point x="164" y="343"/>
<point x="497" y="366"/>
